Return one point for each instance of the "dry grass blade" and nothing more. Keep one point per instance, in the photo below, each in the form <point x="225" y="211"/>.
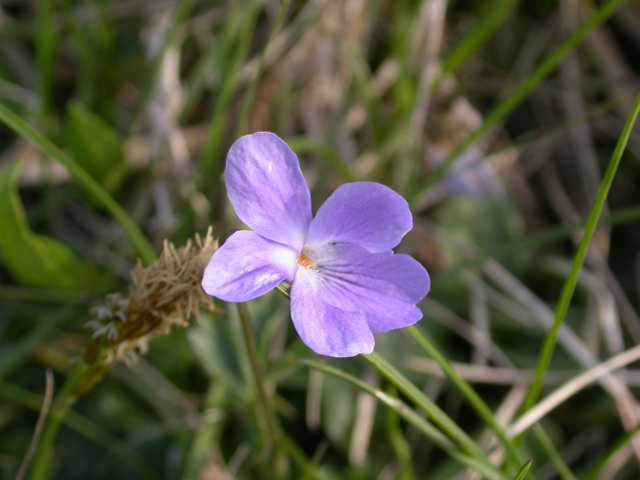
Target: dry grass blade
<point x="44" y="412"/>
<point x="572" y="387"/>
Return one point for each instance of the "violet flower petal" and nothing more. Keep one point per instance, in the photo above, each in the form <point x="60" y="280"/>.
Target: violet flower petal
<point x="247" y="266"/>
<point x="347" y="285"/>
<point x="383" y="285"/>
<point x="410" y="276"/>
<point x="267" y="189"/>
<point x="365" y="213"/>
<point x="324" y="328"/>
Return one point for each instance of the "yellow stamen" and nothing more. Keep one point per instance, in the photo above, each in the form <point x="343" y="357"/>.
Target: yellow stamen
<point x="305" y="261"/>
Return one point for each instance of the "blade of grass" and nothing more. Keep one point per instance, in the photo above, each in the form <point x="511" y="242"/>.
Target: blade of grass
<point x="521" y="92"/>
<point x="64" y="400"/>
<point x="253" y="84"/>
<point x="524" y="471"/>
<point x="239" y="31"/>
<point x="410" y="416"/>
<point x="437" y="415"/>
<point x="45" y="45"/>
<point x="529" y="243"/>
<point x="13" y="393"/>
<point x="400" y="445"/>
<point x="569" y="287"/>
<point x="206" y="437"/>
<point x="181" y="13"/>
<point x="490" y="20"/>
<point x="622" y="443"/>
<point x="22" y="348"/>
<point x="556" y="458"/>
<point x="467" y="390"/>
<point x="304" y="145"/>
<point x="26" y="131"/>
<point x="263" y="402"/>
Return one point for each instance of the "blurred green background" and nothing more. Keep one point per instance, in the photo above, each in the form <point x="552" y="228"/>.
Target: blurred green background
<point x="494" y="118"/>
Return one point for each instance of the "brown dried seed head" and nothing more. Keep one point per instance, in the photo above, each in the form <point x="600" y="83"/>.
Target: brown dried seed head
<point x="163" y="294"/>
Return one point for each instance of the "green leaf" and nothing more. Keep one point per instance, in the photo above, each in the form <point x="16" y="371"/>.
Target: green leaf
<point x="86" y="181"/>
<point x="33" y="259"/>
<point x="95" y="145"/>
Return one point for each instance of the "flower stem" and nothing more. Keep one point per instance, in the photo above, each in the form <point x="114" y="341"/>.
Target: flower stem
<point x="268" y="423"/>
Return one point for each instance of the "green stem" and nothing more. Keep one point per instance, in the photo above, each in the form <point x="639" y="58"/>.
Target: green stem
<point x="268" y="423"/>
<point x="439" y="417"/>
<point x="570" y="284"/>
<point x="22" y="128"/>
<point x="472" y="397"/>
<point x="411" y="417"/>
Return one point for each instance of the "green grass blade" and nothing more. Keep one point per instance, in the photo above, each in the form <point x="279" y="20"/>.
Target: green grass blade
<point x="570" y="284"/>
<point x="400" y="445"/>
<point x="469" y="393"/>
<point x="12" y="357"/>
<point x="304" y="145"/>
<point x="492" y="18"/>
<point x="437" y="415"/>
<point x="206" y="437"/>
<point x="244" y="20"/>
<point x="92" y="431"/>
<point x="250" y="94"/>
<point x="45" y="45"/>
<point x="521" y="92"/>
<point x="564" y="472"/>
<point x="26" y="131"/>
<point x="621" y="444"/>
<point x="410" y="416"/>
<point x="181" y="14"/>
<point x="524" y="471"/>
<point x="530" y="243"/>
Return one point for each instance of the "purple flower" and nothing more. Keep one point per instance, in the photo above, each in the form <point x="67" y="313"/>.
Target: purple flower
<point x="347" y="284"/>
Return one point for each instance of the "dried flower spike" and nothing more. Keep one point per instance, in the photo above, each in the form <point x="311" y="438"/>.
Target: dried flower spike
<point x="164" y="294"/>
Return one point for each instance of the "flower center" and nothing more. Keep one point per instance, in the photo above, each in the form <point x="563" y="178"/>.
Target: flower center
<point x="306" y="262"/>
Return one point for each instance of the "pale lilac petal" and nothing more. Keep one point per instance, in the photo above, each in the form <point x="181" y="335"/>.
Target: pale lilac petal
<point x="248" y="266"/>
<point x="385" y="287"/>
<point x="406" y="273"/>
<point x="267" y="189"/>
<point x="383" y="322"/>
<point x="409" y="275"/>
<point x="365" y="213"/>
<point x="325" y="328"/>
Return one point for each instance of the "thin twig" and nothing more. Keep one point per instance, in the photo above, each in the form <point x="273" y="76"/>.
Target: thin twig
<point x="44" y="412"/>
